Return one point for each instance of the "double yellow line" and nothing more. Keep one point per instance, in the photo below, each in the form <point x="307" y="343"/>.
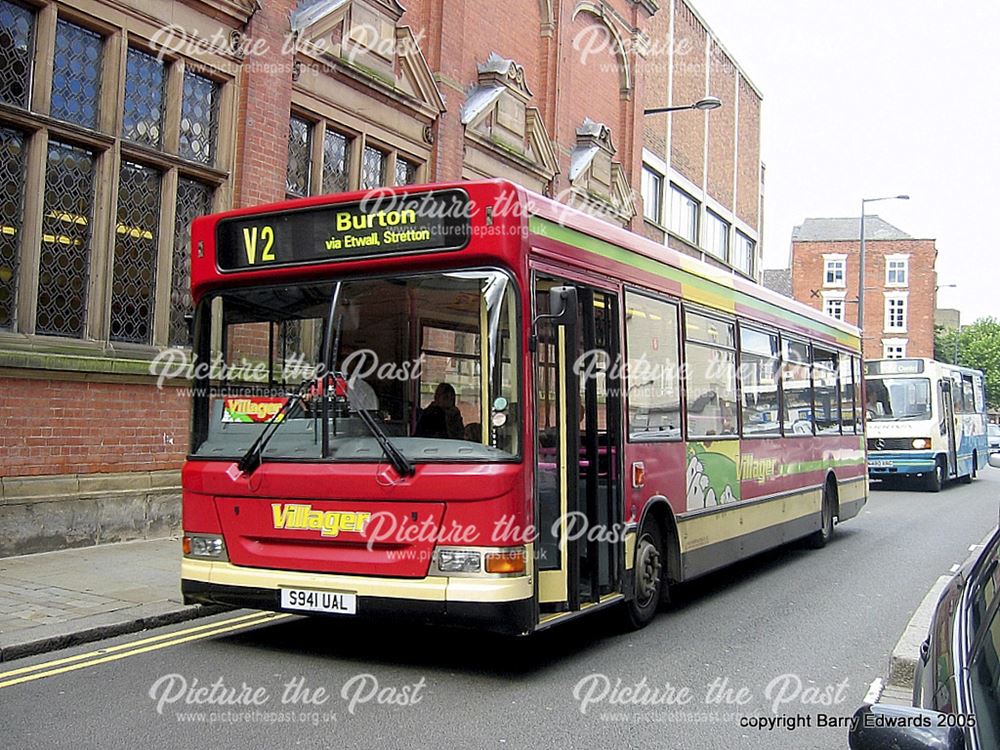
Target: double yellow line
<point x="134" y="648"/>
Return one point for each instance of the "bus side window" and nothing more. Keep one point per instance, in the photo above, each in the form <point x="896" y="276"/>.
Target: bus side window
<point x="968" y="397"/>
<point x="979" y="395"/>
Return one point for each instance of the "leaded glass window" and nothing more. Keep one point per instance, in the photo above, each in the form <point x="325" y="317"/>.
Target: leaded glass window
<point x="76" y="74"/>
<point x="299" y="157"/>
<point x="199" y="118"/>
<point x="336" y="162"/>
<point x="193" y="199"/>
<point x="134" y="275"/>
<point x="372" y="169"/>
<point x="17" y="27"/>
<point x="11" y="216"/>
<point x="406" y="171"/>
<point x="64" y="261"/>
<point x="145" y="85"/>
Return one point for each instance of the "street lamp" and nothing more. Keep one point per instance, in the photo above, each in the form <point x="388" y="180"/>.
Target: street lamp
<point x="861" y="272"/>
<point x="705" y="104"/>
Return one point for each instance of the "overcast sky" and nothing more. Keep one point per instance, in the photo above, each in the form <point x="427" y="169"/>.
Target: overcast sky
<point x="865" y="98"/>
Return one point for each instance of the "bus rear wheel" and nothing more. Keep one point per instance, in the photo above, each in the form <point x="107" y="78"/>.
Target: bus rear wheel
<point x="819" y="538"/>
<point x="967" y="479"/>
<point x="647" y="577"/>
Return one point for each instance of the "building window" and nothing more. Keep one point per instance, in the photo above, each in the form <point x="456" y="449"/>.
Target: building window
<point x="11" y="210"/>
<point x="133" y="288"/>
<point x="834" y="272"/>
<point x="64" y="262"/>
<point x="895" y="313"/>
<point x="683" y="215"/>
<point x="652" y="195"/>
<point x="893" y="348"/>
<point x="332" y="167"/>
<point x="76" y="74"/>
<point x="372" y="168"/>
<point x="199" y="118"/>
<point x="17" y="32"/>
<point x="93" y="244"/>
<point x="743" y="253"/>
<point x="896" y="271"/>
<point x="716" y="235"/>
<point x="299" y="157"/>
<point x="145" y="88"/>
<point x="336" y="162"/>
<point x="834" y="307"/>
<point x="406" y="172"/>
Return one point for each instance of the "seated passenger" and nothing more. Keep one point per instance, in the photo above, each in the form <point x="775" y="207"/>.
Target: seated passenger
<point x="441" y="419"/>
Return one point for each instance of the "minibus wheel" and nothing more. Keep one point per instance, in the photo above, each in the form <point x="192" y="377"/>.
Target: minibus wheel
<point x="936" y="479"/>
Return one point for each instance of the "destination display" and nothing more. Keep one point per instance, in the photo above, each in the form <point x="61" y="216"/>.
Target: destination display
<point x="379" y="225"/>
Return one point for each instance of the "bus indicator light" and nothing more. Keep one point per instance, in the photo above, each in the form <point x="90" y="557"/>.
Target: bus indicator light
<point x="507" y="562"/>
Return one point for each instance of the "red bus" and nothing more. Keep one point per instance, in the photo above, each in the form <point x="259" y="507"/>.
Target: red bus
<point x="469" y="404"/>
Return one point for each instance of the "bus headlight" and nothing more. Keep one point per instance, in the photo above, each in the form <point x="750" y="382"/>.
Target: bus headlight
<point x="205" y="546"/>
<point x="459" y="561"/>
<point x="485" y="562"/>
<point x="921" y="443"/>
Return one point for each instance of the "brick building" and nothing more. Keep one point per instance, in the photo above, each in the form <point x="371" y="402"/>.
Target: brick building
<point x="900" y="281"/>
<point x="121" y="120"/>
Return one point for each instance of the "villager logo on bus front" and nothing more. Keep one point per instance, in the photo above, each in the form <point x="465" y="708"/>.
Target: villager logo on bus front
<point x="247" y="409"/>
<point x="302" y="517"/>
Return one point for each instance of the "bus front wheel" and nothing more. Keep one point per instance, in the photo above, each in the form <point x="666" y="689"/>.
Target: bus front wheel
<point x="936" y="479"/>
<point x="647" y="576"/>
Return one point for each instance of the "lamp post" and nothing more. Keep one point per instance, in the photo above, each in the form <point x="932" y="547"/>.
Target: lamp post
<point x="861" y="270"/>
<point x="705" y="104"/>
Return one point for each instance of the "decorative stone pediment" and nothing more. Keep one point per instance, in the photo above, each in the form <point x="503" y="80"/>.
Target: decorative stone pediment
<point x="502" y="127"/>
<point x="596" y="178"/>
<point x="362" y="39"/>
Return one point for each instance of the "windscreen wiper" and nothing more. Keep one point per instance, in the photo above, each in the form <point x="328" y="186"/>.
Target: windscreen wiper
<point x="399" y="462"/>
<point x="252" y="459"/>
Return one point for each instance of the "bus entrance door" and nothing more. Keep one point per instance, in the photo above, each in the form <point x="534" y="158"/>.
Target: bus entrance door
<point x="948" y="425"/>
<point x="578" y="452"/>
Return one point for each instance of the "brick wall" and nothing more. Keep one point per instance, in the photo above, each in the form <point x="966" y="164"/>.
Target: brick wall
<point x="748" y="157"/>
<point x="808" y="276"/>
<point x="687" y="134"/>
<point x="60" y="427"/>
<point x="722" y="127"/>
<point x="264" y="105"/>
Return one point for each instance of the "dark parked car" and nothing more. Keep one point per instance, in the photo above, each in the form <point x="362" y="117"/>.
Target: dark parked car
<point x="956" y="695"/>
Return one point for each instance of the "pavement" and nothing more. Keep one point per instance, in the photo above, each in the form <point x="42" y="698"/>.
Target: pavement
<point x="57" y="599"/>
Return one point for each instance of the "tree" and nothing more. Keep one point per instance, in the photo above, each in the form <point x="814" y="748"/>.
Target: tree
<point x="976" y="345"/>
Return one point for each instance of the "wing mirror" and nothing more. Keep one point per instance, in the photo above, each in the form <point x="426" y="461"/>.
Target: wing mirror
<point x="881" y="726"/>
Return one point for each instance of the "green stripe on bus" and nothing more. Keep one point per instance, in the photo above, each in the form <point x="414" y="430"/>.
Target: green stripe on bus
<point x="552" y="230"/>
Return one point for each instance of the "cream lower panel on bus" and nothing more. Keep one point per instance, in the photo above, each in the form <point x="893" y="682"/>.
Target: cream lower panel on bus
<point x="714" y="539"/>
<point x="434" y="588"/>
